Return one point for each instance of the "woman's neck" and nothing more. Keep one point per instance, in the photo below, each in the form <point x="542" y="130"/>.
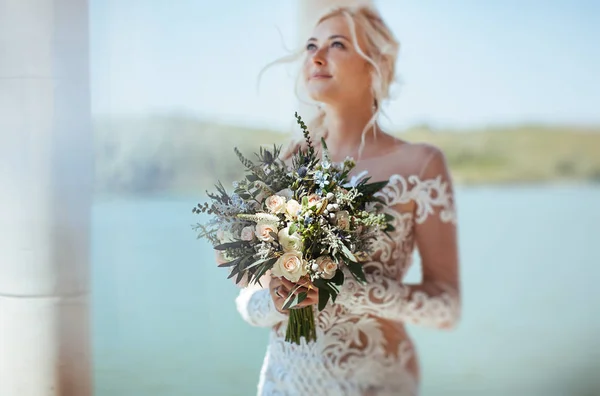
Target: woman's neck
<point x="345" y="126"/>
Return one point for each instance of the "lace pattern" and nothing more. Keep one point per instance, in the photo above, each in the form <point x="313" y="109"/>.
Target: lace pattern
<point x="256" y="307"/>
<point x="352" y="355"/>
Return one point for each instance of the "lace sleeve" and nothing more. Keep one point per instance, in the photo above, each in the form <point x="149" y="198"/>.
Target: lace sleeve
<point x="255" y="305"/>
<point x="436" y="301"/>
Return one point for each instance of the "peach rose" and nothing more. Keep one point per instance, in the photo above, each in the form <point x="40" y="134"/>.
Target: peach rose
<point x="292" y="207"/>
<point x="275" y="204"/>
<point x="290" y="266"/>
<point x="327" y="266"/>
<point x="263" y="231"/>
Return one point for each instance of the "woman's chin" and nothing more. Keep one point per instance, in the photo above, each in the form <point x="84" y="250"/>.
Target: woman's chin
<point x="321" y="96"/>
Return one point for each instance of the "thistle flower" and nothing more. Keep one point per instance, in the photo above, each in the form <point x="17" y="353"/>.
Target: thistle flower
<point x="302" y="171"/>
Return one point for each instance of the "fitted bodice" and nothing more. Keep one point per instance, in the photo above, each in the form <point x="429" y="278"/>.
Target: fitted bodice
<point x="362" y="345"/>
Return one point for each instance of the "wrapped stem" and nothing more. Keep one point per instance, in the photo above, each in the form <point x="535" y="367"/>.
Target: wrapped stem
<point x="301" y="324"/>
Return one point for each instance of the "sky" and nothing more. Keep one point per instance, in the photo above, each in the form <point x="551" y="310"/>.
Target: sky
<point x="462" y="64"/>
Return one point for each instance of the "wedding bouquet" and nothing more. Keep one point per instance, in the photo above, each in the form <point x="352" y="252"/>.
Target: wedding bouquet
<point x="304" y="223"/>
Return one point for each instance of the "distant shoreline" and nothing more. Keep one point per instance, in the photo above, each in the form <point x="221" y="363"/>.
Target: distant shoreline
<point x="182" y="156"/>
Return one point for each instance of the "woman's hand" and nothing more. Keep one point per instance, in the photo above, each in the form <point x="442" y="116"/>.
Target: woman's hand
<point x="280" y="289"/>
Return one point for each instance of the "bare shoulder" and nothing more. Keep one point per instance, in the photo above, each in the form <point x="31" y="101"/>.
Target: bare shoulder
<point x="422" y="153"/>
<point x="418" y="157"/>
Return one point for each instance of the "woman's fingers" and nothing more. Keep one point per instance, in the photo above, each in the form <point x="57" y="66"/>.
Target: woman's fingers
<point x="281" y="289"/>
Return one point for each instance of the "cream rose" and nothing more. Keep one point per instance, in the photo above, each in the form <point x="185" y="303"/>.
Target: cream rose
<point x="290" y="266"/>
<point x="275" y="203"/>
<point x="290" y="243"/>
<point x="247" y="233"/>
<point x="263" y="231"/>
<point x="327" y="266"/>
<point x="292" y="207"/>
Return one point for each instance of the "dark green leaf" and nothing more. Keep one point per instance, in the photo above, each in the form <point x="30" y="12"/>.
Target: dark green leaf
<point x="267" y="261"/>
<point x="231" y="263"/>
<point x="225" y="246"/>
<point x="338" y="278"/>
<point x="323" y="298"/>
<point x="357" y="271"/>
<point x="294" y="299"/>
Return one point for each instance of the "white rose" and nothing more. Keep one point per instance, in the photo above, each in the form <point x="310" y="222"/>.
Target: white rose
<point x="290" y="266"/>
<point x="290" y="243"/>
<point x="292" y="207"/>
<point x="247" y="233"/>
<point x="275" y="204"/>
<point x="342" y="219"/>
<point x="327" y="266"/>
<point x="263" y="231"/>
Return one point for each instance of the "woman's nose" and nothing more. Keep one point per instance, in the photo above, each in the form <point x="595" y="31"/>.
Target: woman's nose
<point x="319" y="58"/>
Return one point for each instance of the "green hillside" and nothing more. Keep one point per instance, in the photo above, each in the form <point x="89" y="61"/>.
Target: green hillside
<point x="179" y="155"/>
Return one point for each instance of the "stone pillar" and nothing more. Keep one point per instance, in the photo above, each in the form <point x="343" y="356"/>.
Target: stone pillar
<point x="46" y="170"/>
<point x="308" y="12"/>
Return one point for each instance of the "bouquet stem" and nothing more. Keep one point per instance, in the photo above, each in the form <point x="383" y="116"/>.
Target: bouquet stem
<point x="301" y="324"/>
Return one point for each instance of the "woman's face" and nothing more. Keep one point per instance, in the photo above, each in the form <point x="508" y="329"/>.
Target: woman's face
<point x="333" y="71"/>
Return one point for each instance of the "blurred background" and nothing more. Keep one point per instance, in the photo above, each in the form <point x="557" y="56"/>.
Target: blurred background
<point x="509" y="90"/>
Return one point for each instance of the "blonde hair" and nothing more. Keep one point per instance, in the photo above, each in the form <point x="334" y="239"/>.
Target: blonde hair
<point x="381" y="53"/>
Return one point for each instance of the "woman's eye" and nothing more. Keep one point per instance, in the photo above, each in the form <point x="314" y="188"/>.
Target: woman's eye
<point x="338" y="44"/>
<point x="310" y="47"/>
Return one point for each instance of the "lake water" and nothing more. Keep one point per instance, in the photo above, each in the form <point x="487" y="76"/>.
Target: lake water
<point x="165" y="324"/>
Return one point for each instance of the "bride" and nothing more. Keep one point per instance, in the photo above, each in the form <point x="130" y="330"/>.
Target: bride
<point x="362" y="346"/>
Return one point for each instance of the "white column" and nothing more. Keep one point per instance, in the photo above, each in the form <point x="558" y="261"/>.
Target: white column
<point x="46" y="167"/>
<point x="308" y="12"/>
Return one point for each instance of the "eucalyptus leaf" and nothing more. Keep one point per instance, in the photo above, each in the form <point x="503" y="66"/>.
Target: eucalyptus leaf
<point x="357" y="271"/>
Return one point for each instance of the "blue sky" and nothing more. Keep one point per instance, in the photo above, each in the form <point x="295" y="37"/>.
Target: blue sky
<point x="463" y="63"/>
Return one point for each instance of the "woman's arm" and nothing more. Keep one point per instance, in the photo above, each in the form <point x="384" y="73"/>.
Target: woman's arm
<point x="436" y="301"/>
<point x="256" y="306"/>
<point x="254" y="302"/>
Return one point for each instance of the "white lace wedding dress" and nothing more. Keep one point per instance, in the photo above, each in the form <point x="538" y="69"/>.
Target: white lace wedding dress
<point x="362" y="347"/>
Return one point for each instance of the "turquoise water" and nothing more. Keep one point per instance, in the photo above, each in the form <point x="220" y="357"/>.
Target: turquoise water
<point x="165" y="323"/>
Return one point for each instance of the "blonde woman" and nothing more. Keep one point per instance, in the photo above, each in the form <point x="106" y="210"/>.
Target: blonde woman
<point x="362" y="346"/>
